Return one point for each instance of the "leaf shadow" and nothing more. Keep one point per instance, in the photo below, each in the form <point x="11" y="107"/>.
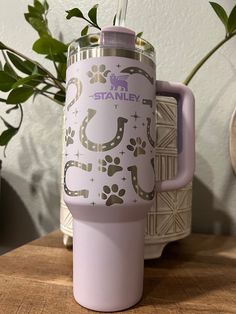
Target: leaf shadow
<point x="16" y="224"/>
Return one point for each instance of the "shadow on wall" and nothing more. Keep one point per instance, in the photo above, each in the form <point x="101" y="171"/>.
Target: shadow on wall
<point x="43" y="170"/>
<point x="208" y="214"/>
<point x="20" y="224"/>
<point x="16" y="225"/>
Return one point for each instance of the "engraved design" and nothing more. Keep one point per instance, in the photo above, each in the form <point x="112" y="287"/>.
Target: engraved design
<point x="170" y="217"/>
<point x="147" y="102"/>
<point x="69" y="136"/>
<point x="109" y="165"/>
<point x="105" y="146"/>
<point x="135" y="116"/>
<point x="147" y="196"/>
<point x="98" y="74"/>
<point x="112" y="195"/>
<point x="119" y="81"/>
<point x="74" y="81"/>
<point x="137" y="146"/>
<point x="151" y="141"/>
<point x="85" y="167"/>
<point x="136" y="70"/>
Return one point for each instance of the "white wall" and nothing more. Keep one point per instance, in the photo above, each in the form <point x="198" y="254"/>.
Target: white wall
<point x="182" y="32"/>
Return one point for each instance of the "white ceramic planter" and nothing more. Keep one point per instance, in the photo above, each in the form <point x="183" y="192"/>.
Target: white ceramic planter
<point x="0" y="177"/>
<point x="170" y="219"/>
<point x="232" y="140"/>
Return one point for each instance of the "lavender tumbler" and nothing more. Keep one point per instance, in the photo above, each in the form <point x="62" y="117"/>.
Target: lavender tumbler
<point x="109" y="179"/>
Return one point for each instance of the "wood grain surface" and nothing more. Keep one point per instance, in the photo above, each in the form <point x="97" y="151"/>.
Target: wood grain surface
<point x="194" y="275"/>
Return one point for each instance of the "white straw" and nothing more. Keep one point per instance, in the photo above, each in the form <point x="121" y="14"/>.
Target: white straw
<point x="121" y="13"/>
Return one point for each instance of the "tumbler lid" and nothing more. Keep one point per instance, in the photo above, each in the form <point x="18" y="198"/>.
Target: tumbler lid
<point x="117" y="37"/>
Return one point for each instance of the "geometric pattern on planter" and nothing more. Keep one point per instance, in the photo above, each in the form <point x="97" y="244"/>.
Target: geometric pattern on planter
<point x="170" y="217"/>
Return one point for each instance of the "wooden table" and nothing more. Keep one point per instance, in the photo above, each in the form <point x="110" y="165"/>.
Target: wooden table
<point x="195" y="275"/>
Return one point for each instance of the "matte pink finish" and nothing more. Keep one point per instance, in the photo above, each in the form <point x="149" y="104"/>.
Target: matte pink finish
<point x="108" y="263"/>
<point x="118" y="29"/>
<point x="108" y="240"/>
<point x="186" y="133"/>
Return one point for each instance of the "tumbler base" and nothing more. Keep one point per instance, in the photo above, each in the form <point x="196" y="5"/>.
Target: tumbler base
<point x="108" y="261"/>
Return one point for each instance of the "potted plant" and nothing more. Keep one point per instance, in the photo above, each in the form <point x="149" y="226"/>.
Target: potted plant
<point x="23" y="78"/>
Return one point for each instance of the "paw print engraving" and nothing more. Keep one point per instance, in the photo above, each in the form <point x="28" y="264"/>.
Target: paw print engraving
<point x="137" y="146"/>
<point x="69" y="136"/>
<point x="112" y="194"/>
<point x="109" y="165"/>
<point x="98" y="74"/>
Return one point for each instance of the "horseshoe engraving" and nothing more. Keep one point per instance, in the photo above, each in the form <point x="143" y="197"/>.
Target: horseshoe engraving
<point x="104" y="146"/>
<point x="136" y="70"/>
<point x="74" y="81"/>
<point x="85" y="167"/>
<point x="147" y="196"/>
<point x="151" y="141"/>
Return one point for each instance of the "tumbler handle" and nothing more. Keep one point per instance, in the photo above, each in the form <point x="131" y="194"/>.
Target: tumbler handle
<point x="186" y="134"/>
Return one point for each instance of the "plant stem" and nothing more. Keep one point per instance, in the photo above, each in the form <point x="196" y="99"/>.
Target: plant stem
<point x="55" y="80"/>
<point x="58" y="72"/>
<point x="56" y="67"/>
<point x="207" y="56"/>
<point x="53" y="99"/>
<point x="39" y="91"/>
<point x="92" y="24"/>
<point x="50" y="93"/>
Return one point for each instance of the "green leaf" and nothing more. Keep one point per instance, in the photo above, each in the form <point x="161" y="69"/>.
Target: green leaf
<point x="74" y="13"/>
<point x="33" y="69"/>
<point x="39" y="6"/>
<point x="46" y="87"/>
<point x="57" y="58"/>
<point x="39" y="25"/>
<point x="85" y="30"/>
<point x="114" y="20"/>
<point x="2" y="46"/>
<point x="6" y="81"/>
<point x="21" y="65"/>
<point x="2" y="100"/>
<point x="46" y="6"/>
<point x="49" y="46"/>
<point x="232" y="21"/>
<point x="220" y="11"/>
<point x="10" y="71"/>
<point x="61" y="75"/>
<point x="32" y="15"/>
<point x="92" y="14"/>
<point x="7" y="135"/>
<point x="34" y="12"/>
<point x="32" y="80"/>
<point x="0" y="66"/>
<point x="20" y="94"/>
<point x="60" y="96"/>
<point x="139" y="34"/>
